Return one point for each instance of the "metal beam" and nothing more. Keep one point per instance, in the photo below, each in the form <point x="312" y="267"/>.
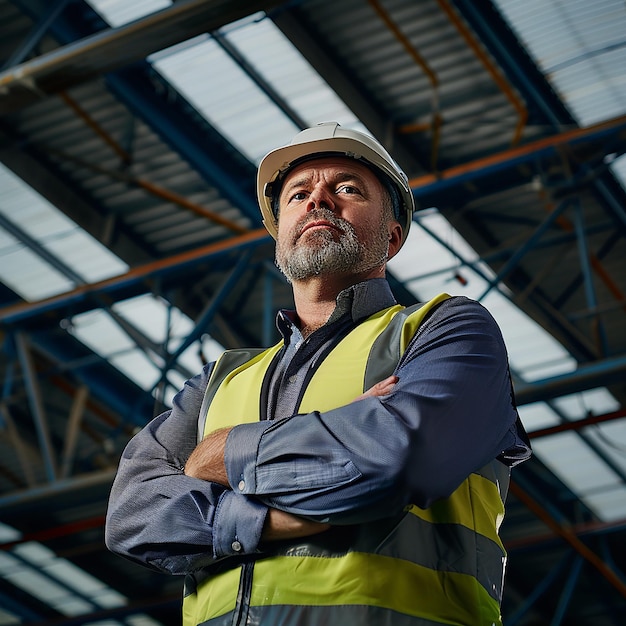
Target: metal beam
<point x="432" y="184"/>
<point x="528" y="245"/>
<point x="204" y="319"/>
<point x="599" y="374"/>
<point x="58" y="487"/>
<point x="577" y="424"/>
<point x="114" y="48"/>
<point x="72" y="430"/>
<point x="111" y="286"/>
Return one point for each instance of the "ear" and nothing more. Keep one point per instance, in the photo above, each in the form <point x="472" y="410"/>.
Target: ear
<point x="395" y="238"/>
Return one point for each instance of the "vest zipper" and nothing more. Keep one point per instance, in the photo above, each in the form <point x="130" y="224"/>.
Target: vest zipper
<point x="240" y="616"/>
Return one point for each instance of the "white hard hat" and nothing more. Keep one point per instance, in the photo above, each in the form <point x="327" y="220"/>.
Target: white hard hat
<point x="327" y="139"/>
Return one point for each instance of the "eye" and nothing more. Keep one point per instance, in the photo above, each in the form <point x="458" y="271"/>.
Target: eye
<point x="347" y="189"/>
<point x="298" y="196"/>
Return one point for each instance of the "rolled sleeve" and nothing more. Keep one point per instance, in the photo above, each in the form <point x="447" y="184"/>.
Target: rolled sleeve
<point x="166" y="520"/>
<point x="237" y="525"/>
<point x="240" y="456"/>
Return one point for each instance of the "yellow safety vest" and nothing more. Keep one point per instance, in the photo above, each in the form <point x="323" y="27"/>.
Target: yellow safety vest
<point x="441" y="565"/>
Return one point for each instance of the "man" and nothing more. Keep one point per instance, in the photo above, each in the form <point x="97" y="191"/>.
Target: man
<point x="355" y="473"/>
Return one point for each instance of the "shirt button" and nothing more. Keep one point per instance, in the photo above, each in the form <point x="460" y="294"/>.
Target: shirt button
<point x="236" y="546"/>
<point x="241" y="485"/>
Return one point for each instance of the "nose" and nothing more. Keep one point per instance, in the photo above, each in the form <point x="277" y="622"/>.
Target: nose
<point x="320" y="198"/>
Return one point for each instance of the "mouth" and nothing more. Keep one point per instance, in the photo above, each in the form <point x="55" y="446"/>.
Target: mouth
<point x="317" y="225"/>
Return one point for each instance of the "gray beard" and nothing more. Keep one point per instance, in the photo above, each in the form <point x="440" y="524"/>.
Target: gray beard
<point x="322" y="253"/>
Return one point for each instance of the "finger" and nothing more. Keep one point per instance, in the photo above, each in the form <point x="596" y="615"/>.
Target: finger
<point x="382" y="388"/>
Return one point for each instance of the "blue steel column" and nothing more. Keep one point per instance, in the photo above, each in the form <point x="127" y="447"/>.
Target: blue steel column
<point x="35" y="35"/>
<point x="543" y="585"/>
<point x="208" y="313"/>
<point x="528" y="245"/>
<point x="585" y="266"/>
<point x="36" y="406"/>
<point x="568" y="590"/>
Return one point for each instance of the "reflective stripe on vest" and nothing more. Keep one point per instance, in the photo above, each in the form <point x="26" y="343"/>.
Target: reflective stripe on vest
<point x="442" y="565"/>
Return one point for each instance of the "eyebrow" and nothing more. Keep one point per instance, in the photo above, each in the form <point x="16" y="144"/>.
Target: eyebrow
<point x="340" y="177"/>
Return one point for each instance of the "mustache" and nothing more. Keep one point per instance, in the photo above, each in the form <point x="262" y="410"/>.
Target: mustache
<point x="322" y="214"/>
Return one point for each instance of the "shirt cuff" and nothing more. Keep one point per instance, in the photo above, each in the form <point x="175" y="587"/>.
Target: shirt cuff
<point x="237" y="525"/>
<point x="240" y="455"/>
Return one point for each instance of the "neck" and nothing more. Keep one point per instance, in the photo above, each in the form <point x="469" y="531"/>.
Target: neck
<point x="316" y="298"/>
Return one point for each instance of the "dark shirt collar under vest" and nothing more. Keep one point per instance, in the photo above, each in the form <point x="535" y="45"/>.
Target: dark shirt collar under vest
<point x="359" y="301"/>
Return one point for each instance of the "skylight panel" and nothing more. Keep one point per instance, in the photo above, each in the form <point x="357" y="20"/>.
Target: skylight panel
<point x="592" y="402"/>
<point x="610" y="437"/>
<point x="7" y="618"/>
<point x="229" y="99"/>
<point x="141" y="620"/>
<point x="538" y="415"/>
<point x="37" y="570"/>
<point x="221" y="89"/>
<point x="8" y="533"/>
<point x="579" y="467"/>
<point x="71" y="576"/>
<point x="157" y="319"/>
<point x="97" y="330"/>
<point x="119" y="12"/>
<point x="42" y="587"/>
<point x="27" y="274"/>
<point x="289" y="73"/>
<point x="611" y="502"/>
<point x="580" y="48"/>
<point x="22" y="268"/>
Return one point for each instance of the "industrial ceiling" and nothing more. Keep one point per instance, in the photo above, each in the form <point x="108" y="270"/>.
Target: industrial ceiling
<point x="132" y="251"/>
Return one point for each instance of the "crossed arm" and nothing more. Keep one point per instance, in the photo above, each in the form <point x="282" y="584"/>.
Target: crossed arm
<point x="176" y="506"/>
<point x="207" y="463"/>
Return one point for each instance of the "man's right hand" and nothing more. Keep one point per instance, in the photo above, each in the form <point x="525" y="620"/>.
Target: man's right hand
<point x="280" y="525"/>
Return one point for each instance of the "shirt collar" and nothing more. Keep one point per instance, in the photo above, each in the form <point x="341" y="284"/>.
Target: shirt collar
<point x="359" y="301"/>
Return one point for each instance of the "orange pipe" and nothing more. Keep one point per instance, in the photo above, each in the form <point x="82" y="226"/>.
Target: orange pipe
<point x="578" y="424"/>
<point x="171" y="196"/>
<point x="577" y="529"/>
<point x="155" y="190"/>
<point x="570" y="537"/>
<point x="517" y="152"/>
<point x="158" y="191"/>
<point x="435" y="126"/>
<point x="384" y="16"/>
<point x="83" y="115"/>
<point x="498" y="78"/>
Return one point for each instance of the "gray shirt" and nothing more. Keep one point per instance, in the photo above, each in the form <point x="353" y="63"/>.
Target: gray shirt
<point x="451" y="412"/>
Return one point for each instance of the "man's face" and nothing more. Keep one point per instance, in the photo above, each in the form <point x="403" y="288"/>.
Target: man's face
<point x="334" y="218"/>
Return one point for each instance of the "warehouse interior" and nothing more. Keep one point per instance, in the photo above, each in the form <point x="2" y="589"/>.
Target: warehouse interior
<point x="132" y="251"/>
